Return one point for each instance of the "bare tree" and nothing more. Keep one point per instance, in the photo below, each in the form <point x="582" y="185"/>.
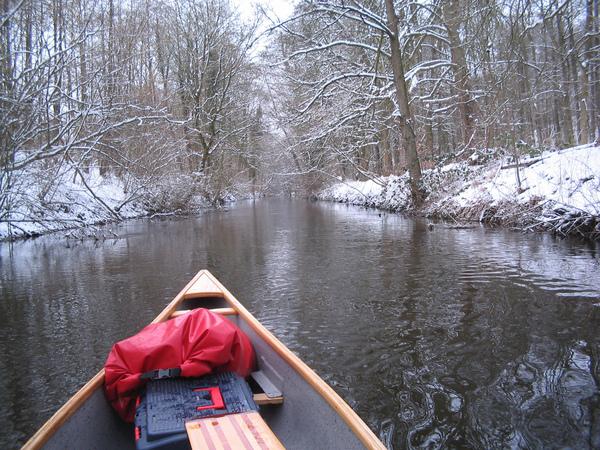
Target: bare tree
<point x="355" y="52"/>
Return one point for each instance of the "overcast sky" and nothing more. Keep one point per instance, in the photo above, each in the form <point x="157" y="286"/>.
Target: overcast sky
<point x="281" y="8"/>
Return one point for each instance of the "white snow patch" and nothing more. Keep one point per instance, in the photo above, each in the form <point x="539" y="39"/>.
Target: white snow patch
<point x="52" y="198"/>
<point x="560" y="182"/>
<point x="354" y="192"/>
<point x="45" y="200"/>
<point x="569" y="179"/>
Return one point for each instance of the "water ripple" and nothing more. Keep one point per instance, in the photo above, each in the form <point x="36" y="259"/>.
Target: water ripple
<point x="438" y="339"/>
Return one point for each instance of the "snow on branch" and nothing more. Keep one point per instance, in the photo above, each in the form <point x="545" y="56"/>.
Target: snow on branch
<point x="330" y="45"/>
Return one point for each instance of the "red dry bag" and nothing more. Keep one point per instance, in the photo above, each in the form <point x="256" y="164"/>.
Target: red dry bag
<point x="198" y="343"/>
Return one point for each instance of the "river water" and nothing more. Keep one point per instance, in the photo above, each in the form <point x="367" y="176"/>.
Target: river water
<point x="470" y="338"/>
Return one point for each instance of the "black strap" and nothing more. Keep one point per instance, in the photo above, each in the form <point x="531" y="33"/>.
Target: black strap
<point x="160" y="374"/>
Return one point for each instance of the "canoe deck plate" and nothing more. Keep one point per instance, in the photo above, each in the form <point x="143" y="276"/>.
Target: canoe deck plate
<point x="236" y="431"/>
<point x="265" y="384"/>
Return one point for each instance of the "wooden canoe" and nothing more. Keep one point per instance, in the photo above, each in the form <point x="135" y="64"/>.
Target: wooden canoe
<point x="309" y="415"/>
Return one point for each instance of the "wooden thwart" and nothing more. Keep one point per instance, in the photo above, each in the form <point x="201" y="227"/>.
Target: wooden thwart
<point x="264" y="399"/>
<point x="221" y="311"/>
<point x="235" y="431"/>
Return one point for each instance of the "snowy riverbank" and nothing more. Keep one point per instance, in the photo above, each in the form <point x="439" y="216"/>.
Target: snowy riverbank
<point x="70" y="204"/>
<point x="557" y="191"/>
<point x="48" y="199"/>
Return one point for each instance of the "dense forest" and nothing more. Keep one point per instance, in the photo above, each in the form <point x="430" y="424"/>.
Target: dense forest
<point x="185" y="99"/>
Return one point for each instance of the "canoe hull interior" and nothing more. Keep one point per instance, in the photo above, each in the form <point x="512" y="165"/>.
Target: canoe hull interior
<point x="95" y="426"/>
<point x="305" y="420"/>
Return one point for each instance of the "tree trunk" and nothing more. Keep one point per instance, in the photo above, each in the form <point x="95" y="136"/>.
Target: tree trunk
<point x="567" y="128"/>
<point x="596" y="74"/>
<point x="584" y="119"/>
<point x="404" y="119"/>
<point x="429" y="132"/>
<point x="6" y="76"/>
<point x="28" y="36"/>
<point x="82" y="58"/>
<point x="451" y="10"/>
<point x="591" y="67"/>
<point x="525" y="108"/>
<point x="111" y="55"/>
<point x="57" y="15"/>
<point x="575" y="94"/>
<point x="386" y="151"/>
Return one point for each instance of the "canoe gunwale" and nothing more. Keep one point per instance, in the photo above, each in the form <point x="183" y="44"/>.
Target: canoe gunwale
<point x="352" y="420"/>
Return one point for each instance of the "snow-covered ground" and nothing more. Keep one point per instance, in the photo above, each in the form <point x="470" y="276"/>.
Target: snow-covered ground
<point x="45" y="199"/>
<point x="40" y="205"/>
<point x="567" y="179"/>
<point x="556" y="188"/>
<point x="355" y="192"/>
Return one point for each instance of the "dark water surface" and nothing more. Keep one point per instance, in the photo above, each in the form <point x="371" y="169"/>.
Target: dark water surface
<point x="444" y="338"/>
